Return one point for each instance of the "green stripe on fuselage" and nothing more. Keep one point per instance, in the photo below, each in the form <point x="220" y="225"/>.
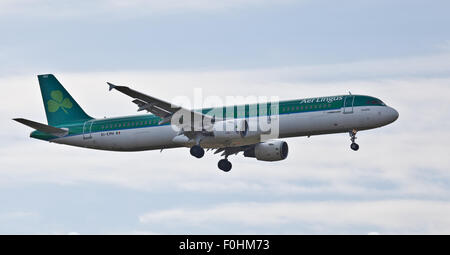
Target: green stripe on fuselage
<point x="239" y="111"/>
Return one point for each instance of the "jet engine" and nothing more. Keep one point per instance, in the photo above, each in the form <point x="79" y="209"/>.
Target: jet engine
<point x="268" y="151"/>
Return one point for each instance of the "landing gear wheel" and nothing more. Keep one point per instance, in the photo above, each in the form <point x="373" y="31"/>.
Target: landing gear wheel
<point x="354" y="145"/>
<point x="197" y="151"/>
<point x="224" y="165"/>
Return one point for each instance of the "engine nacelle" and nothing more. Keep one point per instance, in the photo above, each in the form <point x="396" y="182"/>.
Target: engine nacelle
<point x="269" y="151"/>
<point x="230" y="129"/>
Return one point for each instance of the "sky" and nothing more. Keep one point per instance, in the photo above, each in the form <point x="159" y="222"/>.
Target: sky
<point x="397" y="183"/>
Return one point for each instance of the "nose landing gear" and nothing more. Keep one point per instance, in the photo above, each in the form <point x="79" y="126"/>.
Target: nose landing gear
<point x="354" y="146"/>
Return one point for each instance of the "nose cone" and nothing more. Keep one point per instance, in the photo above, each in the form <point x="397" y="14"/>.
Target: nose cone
<point x="392" y="114"/>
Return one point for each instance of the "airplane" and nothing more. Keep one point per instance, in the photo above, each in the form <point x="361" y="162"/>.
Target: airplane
<point x="204" y="129"/>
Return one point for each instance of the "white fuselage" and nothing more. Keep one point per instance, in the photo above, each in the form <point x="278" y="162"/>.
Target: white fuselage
<point x="290" y="125"/>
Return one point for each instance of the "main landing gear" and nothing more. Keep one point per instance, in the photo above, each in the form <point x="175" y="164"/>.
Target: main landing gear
<point x="224" y="165"/>
<point x="354" y="146"/>
<point x="197" y="151"/>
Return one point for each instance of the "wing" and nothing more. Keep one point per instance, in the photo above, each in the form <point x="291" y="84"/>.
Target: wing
<point x="158" y="107"/>
<point x="227" y="151"/>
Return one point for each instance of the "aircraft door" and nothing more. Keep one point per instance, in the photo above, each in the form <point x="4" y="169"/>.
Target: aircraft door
<point x="87" y="129"/>
<point x="348" y="104"/>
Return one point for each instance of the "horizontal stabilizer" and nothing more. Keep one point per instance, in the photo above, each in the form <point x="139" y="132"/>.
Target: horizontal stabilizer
<point x="44" y="128"/>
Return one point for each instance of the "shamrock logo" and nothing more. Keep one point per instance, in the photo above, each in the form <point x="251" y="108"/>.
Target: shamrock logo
<point x="58" y="101"/>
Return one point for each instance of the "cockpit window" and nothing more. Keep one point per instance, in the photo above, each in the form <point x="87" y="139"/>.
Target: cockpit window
<point x="375" y="102"/>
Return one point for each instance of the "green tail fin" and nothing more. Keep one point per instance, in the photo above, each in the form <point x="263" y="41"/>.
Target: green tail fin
<point x="60" y="107"/>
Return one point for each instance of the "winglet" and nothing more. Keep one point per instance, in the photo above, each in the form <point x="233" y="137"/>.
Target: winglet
<point x="111" y="86"/>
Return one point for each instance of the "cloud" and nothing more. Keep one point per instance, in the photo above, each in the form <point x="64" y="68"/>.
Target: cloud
<point x="135" y="232"/>
<point x="401" y="170"/>
<point x="16" y="215"/>
<point x="444" y="46"/>
<point x="66" y="8"/>
<point x="191" y="4"/>
<point x="304" y="172"/>
<point x="388" y="68"/>
<point x="390" y="216"/>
